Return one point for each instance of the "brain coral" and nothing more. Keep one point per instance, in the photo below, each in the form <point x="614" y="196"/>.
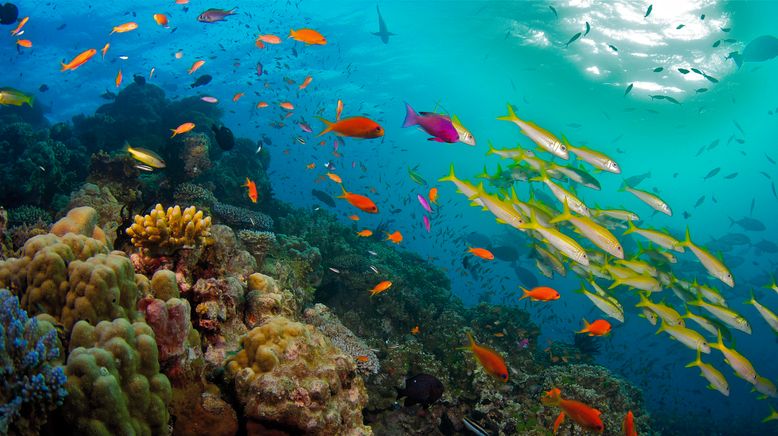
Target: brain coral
<point x="114" y="384"/>
<point x="289" y="376"/>
<point x="71" y="277"/>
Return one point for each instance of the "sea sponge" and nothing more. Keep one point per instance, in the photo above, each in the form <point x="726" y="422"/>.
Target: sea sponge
<point x="170" y="321"/>
<point x="114" y="384"/>
<point x="163" y="232"/>
<point x="70" y="278"/>
<point x="80" y="220"/>
<point x="288" y="375"/>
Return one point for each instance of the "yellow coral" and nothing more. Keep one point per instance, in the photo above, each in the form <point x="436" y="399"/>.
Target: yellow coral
<point x="264" y="346"/>
<point x="163" y="232"/>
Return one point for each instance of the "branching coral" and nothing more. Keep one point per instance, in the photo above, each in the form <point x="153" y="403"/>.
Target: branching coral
<point x="114" y="383"/>
<point x="31" y="385"/>
<point x="164" y="232"/>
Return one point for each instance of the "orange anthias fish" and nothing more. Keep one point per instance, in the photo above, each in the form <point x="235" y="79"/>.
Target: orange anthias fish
<point x="26" y="43"/>
<point x="599" y="327"/>
<point x="183" y="128"/>
<point x="262" y="104"/>
<point x="433" y="195"/>
<point x="308" y="36"/>
<point x="79" y="60"/>
<point x="365" y="233"/>
<point x="491" y="362"/>
<point x="359" y="201"/>
<point x="311" y="166"/>
<point x="362" y="358"/>
<point x="252" y="192"/>
<point x="119" y="79"/>
<point x="339" y="110"/>
<point x="286" y="105"/>
<point x="585" y="416"/>
<point x="381" y="287"/>
<point x="628" y="427"/>
<point x="354" y="127"/>
<point x="237" y="96"/>
<point x="126" y="27"/>
<point x="306" y="82"/>
<point x="415" y="330"/>
<point x="18" y="28"/>
<point x="395" y="237"/>
<point x="196" y="66"/>
<point x="161" y="19"/>
<point x="483" y="253"/>
<point x="541" y="293"/>
<point x="105" y="49"/>
<point x="334" y="177"/>
<point x="353" y="217"/>
<point x="269" y="39"/>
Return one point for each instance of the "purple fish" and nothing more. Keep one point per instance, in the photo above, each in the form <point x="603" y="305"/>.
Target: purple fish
<point x="305" y="127"/>
<point x="259" y="69"/>
<point x="427" y="223"/>
<point x="437" y="125"/>
<point x="214" y="15"/>
<point x="424" y="203"/>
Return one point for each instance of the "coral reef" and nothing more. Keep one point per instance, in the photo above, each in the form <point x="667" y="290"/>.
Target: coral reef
<point x="27" y="215"/>
<point x="288" y="376"/>
<point x="265" y="300"/>
<point x="82" y="221"/>
<point x="31" y="383"/>
<point x="107" y="208"/>
<point x="258" y="243"/>
<point x="194" y="154"/>
<point x="344" y="339"/>
<point x="164" y="232"/>
<point x="197" y="195"/>
<point x="242" y="218"/>
<point x="171" y="323"/>
<point x="114" y="384"/>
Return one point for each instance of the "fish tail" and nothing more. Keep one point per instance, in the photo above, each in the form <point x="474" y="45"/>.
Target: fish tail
<point x="616" y="283"/>
<point x="752" y="300"/>
<point x="491" y="150"/>
<point x="697" y="361"/>
<point x="450" y="177"/>
<point x="511" y="115"/>
<point x="662" y="326"/>
<point x="292" y="33"/>
<point x="248" y="182"/>
<point x="526" y="294"/>
<point x="586" y="327"/>
<point x="328" y="125"/>
<point x="688" y="239"/>
<point x="566" y="215"/>
<point x="630" y="228"/>
<point x="411" y="117"/>
<point x="552" y="398"/>
<point x="472" y="341"/>
<point x="719" y="345"/>
<point x="345" y="193"/>
<point x="30" y="100"/>
<point x="64" y="66"/>
<point x="483" y="175"/>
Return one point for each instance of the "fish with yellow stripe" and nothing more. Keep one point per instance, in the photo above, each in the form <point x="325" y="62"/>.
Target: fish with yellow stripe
<point x="540" y="136"/>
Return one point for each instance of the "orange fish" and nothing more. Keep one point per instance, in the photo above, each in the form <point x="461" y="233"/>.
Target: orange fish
<point x="161" y="19"/>
<point x="183" y="128"/>
<point x="261" y="104"/>
<point x="540" y="293"/>
<point x="19" y="27"/>
<point x="311" y="166"/>
<point x="339" y="110"/>
<point x="415" y="330"/>
<point x="237" y="96"/>
<point x="499" y="334"/>
<point x="196" y="66"/>
<point x="179" y="54"/>
<point x="481" y="252"/>
<point x="395" y="237"/>
<point x="381" y="287"/>
<point x="270" y="39"/>
<point x="362" y="358"/>
<point x="286" y="105"/>
<point x="599" y="327"/>
<point x="308" y="36"/>
<point x="105" y="49"/>
<point x="252" y="190"/>
<point x="79" y="60"/>
<point x="353" y="217"/>
<point x="306" y="82"/>
<point x="126" y="27"/>
<point x="359" y="201"/>
<point x="433" y="195"/>
<point x="585" y="416"/>
<point x="119" y="78"/>
<point x="335" y="178"/>
<point x="558" y="421"/>
<point x="354" y="127"/>
<point x="628" y="427"/>
<point x="182" y="2"/>
<point x="491" y="362"/>
<point x="26" y="43"/>
<point x="365" y="233"/>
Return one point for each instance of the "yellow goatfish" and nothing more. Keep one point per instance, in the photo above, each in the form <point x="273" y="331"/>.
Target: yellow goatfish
<point x="767" y="314"/>
<point x="501" y="209"/>
<point x="594" y="232"/>
<point x="638" y="281"/>
<point x="563" y="195"/>
<point x="508" y="153"/>
<point x="540" y="136"/>
<point x="765" y="387"/>
<point x="686" y="336"/>
<point x="661" y="239"/>
<point x="148" y="157"/>
<point x="650" y="199"/>
<point x="742" y="367"/>
<point x="667" y="313"/>
<point x="594" y="158"/>
<point x="565" y="244"/>
<point x="725" y="314"/>
<point x="714" y="377"/>
<point x="714" y="266"/>
<point x="607" y="304"/>
<point x="10" y="96"/>
<point x="466" y="188"/>
<point x="617" y="214"/>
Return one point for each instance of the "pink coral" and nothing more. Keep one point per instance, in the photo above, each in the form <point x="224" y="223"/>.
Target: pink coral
<point x="170" y="322"/>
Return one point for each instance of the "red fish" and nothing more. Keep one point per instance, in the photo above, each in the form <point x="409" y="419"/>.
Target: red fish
<point x="492" y="362"/>
<point x="629" y="425"/>
<point x="599" y="327"/>
<point x="585" y="416"/>
<point x="354" y="127"/>
<point x="252" y="190"/>
<point x="359" y="201"/>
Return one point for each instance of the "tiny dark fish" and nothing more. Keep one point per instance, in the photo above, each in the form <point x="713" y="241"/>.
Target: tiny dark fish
<point x="214" y="15"/>
<point x="635" y="180"/>
<point x="672" y="100"/>
<point x="686" y="215"/>
<point x="712" y="173"/>
<point x="766" y="246"/>
<point x="323" y="197"/>
<point x="44" y="88"/>
<point x="699" y="201"/>
<point x="701" y="90"/>
<point x="680" y="26"/>
<point x="588" y="28"/>
<point x="657" y="97"/>
<point x="224" y="137"/>
<point x="696" y="71"/>
<point x="753" y="203"/>
<point x="62" y="26"/>
<point x="201" y="81"/>
<point x="774" y="193"/>
<point x="738" y="127"/>
<point x="730" y="176"/>
<point x="702" y="17"/>
<point x="683" y="71"/>
<point x="765" y="155"/>
<point x="421" y="389"/>
<point x="748" y="223"/>
<point x="710" y="78"/>
<point x="700" y="152"/>
<point x="138" y="79"/>
<point x="713" y="144"/>
<point x="259" y="69"/>
<point x="659" y="69"/>
<point x="554" y="11"/>
<point x="725" y="29"/>
<point x="613" y="47"/>
<point x="9" y="13"/>
<point x="717" y="43"/>
<point x="648" y="11"/>
<point x="573" y="38"/>
<point x="629" y="88"/>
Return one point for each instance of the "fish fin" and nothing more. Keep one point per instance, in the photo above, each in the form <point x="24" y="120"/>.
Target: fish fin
<point x="526" y="294"/>
<point x="491" y="150"/>
<point x="511" y="115"/>
<point x="292" y="33"/>
<point x="566" y="215"/>
<point x="687" y="240"/>
<point x="616" y="283"/>
<point x="411" y="118"/>
<point x="344" y="192"/>
<point x="586" y="327"/>
<point x="436" y="139"/>
<point x="752" y="300"/>
<point x="662" y="327"/>
<point x="328" y="125"/>
<point x="630" y="228"/>
<point x="696" y="362"/>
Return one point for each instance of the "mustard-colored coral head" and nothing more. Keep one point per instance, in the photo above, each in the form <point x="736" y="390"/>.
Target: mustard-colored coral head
<point x="165" y="231"/>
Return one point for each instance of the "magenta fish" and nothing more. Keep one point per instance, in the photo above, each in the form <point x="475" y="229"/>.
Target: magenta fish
<point x="437" y="125"/>
<point x="305" y="127"/>
<point x="424" y="203"/>
<point x="426" y="223"/>
<point x="260" y="69"/>
<point x="214" y="15"/>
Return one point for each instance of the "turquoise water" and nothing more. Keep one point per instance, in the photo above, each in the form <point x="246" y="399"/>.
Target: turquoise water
<point x="471" y="59"/>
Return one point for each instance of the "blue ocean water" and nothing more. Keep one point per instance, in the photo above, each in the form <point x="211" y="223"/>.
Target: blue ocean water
<point x="471" y="58"/>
